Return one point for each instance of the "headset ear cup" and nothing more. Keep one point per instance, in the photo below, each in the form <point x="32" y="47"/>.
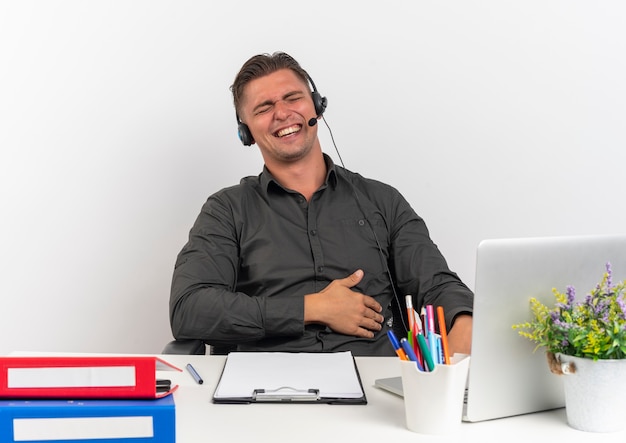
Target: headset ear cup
<point x="244" y="134"/>
<point x="319" y="102"/>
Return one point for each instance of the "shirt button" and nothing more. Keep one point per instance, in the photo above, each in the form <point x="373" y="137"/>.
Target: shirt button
<point x="361" y="222"/>
<point x="313" y="232"/>
<point x="320" y="269"/>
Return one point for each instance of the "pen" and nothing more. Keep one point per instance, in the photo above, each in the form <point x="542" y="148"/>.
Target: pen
<point x="410" y="312"/>
<point x="444" y="334"/>
<point x="394" y="342"/>
<point x="418" y="324"/>
<point x="432" y="346"/>
<point x="428" y="359"/>
<point x="430" y="315"/>
<point x="194" y="374"/>
<point x="412" y="339"/>
<point x="408" y="349"/>
<point x="439" y="359"/>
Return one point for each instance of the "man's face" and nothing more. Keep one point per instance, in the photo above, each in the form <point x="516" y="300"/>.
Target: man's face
<point x="277" y="108"/>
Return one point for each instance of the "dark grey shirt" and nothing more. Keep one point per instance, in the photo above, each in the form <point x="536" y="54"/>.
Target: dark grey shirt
<point x="257" y="248"/>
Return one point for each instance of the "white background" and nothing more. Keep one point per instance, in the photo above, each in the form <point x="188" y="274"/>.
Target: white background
<point x="494" y="118"/>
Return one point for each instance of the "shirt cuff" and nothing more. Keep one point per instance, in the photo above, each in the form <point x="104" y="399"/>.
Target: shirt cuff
<point x="284" y="316"/>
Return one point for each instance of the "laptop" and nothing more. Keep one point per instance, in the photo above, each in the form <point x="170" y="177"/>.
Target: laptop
<point x="506" y="377"/>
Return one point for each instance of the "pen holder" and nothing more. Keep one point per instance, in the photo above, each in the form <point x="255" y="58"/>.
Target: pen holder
<point x="433" y="401"/>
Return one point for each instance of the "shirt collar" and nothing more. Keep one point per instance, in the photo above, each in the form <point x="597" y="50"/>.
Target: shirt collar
<point x="267" y="179"/>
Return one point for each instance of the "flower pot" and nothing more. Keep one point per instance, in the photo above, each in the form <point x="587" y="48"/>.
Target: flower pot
<point x="595" y="393"/>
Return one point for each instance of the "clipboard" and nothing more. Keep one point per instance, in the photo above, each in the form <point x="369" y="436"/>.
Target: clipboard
<point x="284" y="377"/>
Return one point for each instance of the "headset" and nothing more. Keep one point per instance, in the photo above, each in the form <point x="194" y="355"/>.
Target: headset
<point x="319" y="103"/>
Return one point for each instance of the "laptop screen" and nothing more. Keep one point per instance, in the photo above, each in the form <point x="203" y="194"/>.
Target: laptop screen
<point x="506" y="377"/>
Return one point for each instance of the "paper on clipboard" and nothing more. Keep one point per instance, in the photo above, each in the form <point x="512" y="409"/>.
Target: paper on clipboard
<point x="281" y="376"/>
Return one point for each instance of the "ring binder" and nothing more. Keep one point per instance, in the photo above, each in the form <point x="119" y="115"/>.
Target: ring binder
<point x="286" y="393"/>
<point x="83" y="376"/>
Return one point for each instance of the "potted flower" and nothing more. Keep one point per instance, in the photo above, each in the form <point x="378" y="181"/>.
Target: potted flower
<point x="585" y="340"/>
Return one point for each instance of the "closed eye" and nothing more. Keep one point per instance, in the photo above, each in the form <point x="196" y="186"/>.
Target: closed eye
<point x="293" y="97"/>
<point x="262" y="109"/>
<point x="266" y="106"/>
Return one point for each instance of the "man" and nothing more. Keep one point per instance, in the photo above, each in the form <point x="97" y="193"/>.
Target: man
<point x="307" y="256"/>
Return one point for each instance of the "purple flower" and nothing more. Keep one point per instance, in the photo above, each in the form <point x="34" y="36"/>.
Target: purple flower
<point x="571" y="295"/>
<point x="602" y="309"/>
<point x="609" y="273"/>
<point x="561" y="324"/>
<point x="605" y="316"/>
<point x="622" y="305"/>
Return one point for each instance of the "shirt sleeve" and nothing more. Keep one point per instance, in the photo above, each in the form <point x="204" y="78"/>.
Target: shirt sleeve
<point x="420" y="268"/>
<point x="203" y="301"/>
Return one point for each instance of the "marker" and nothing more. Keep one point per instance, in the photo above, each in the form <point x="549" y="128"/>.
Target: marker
<point x="194" y="374"/>
<point x="410" y="312"/>
<point x="439" y="353"/>
<point x="394" y="342"/>
<point x="432" y="346"/>
<point x="430" y="315"/>
<point x="408" y="349"/>
<point x="444" y="334"/>
<point x="428" y="358"/>
<point x="418" y="324"/>
<point x="416" y="347"/>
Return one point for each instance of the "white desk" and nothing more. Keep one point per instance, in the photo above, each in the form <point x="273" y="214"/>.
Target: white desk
<point x="381" y="420"/>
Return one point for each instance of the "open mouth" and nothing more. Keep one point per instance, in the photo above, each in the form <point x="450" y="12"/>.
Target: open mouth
<point x="288" y="131"/>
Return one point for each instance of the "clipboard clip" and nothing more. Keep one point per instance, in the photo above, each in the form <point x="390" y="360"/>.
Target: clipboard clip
<point x="286" y="393"/>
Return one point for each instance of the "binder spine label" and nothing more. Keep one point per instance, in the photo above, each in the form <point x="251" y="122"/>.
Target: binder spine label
<point x="71" y="377"/>
<point x="88" y="428"/>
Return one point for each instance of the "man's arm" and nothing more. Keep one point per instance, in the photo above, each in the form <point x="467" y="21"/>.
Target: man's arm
<point x="204" y="302"/>
<point x="460" y="336"/>
<point x="422" y="271"/>
<point x="344" y="310"/>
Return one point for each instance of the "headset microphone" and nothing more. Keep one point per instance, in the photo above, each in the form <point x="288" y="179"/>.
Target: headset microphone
<point x="313" y="122"/>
